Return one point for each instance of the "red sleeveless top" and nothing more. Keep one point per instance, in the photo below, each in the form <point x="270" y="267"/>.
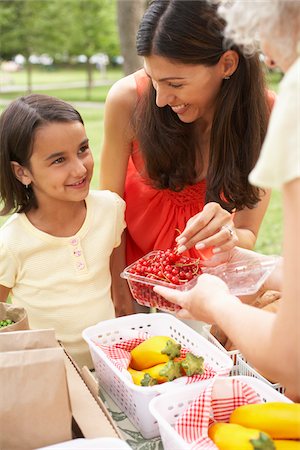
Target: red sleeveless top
<point x="155" y="217"/>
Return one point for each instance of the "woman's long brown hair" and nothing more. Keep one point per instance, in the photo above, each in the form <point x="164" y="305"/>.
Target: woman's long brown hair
<point x="190" y="32"/>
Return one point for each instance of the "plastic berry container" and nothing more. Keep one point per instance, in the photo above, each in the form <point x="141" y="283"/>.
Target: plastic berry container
<point x="243" y="278"/>
<point x="141" y="286"/>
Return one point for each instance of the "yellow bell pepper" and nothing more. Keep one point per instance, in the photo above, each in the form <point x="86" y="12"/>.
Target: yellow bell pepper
<point x="149" y="352"/>
<point x="286" y="444"/>
<point x="229" y="436"/>
<point x="280" y="420"/>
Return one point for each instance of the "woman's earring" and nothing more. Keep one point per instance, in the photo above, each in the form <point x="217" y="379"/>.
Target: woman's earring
<point x="227" y="78"/>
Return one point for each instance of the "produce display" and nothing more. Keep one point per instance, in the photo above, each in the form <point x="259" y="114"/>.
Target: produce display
<point x="160" y="267"/>
<point x="159" y="359"/>
<point x="5" y="323"/>
<point x="263" y="426"/>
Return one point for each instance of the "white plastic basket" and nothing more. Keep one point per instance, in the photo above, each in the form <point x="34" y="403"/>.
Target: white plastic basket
<point x="133" y="400"/>
<point x="244" y="368"/>
<point x="231" y="353"/>
<point x="167" y="407"/>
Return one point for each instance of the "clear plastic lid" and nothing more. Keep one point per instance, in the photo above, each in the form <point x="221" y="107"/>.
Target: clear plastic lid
<point x="245" y="277"/>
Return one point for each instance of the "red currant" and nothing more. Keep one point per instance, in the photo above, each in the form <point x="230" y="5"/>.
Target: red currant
<point x="167" y="266"/>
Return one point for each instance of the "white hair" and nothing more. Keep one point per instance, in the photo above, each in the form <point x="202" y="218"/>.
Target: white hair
<point x="248" y="21"/>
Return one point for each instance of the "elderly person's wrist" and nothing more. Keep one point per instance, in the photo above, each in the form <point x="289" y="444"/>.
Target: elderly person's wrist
<point x="222" y="306"/>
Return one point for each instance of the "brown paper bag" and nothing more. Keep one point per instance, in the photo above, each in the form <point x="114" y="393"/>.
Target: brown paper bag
<point x="34" y="408"/>
<point x="16" y="314"/>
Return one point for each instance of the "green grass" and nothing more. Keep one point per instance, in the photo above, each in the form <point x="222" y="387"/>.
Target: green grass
<point x="97" y="94"/>
<point x="270" y="236"/>
<point x="55" y="75"/>
<point x="93" y="119"/>
<point x="273" y="79"/>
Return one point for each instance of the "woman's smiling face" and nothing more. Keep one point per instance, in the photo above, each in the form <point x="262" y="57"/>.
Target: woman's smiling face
<point x="189" y="90"/>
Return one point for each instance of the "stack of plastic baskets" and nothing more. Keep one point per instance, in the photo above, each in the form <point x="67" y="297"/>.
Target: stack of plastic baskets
<point x="244" y="368"/>
<point x="233" y="354"/>
<point x="168" y="407"/>
<point x="134" y="400"/>
<point x="240" y="365"/>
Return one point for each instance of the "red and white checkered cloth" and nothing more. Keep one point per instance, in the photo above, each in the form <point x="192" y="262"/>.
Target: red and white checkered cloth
<point x="214" y="404"/>
<point x="119" y="355"/>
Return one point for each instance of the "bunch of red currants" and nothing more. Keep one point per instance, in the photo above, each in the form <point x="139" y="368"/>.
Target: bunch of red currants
<point x="160" y="267"/>
<point x="167" y="266"/>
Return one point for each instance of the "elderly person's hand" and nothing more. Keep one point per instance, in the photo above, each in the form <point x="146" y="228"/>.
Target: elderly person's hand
<point x="202" y="301"/>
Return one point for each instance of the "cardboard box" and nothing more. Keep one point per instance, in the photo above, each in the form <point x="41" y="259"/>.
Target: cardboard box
<point x="52" y="403"/>
<point x="91" y="418"/>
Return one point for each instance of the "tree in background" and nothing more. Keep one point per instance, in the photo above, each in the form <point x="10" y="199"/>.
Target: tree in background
<point x="32" y="27"/>
<point x="66" y="28"/>
<point x="58" y="28"/>
<point x="129" y="16"/>
<point x="93" y="30"/>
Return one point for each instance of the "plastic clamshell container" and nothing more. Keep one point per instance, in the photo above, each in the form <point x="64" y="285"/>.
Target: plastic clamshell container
<point x="243" y="278"/>
<point x="142" y="287"/>
<point x="168" y="407"/>
<point x="132" y="399"/>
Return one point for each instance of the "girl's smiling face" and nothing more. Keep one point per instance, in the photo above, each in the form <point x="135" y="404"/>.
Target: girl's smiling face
<point x="189" y="90"/>
<point x="61" y="164"/>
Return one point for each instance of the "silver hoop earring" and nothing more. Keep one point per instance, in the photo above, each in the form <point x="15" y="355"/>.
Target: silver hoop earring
<point x="227" y="78"/>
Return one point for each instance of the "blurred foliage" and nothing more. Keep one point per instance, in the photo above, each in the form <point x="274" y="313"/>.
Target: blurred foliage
<point x="60" y="28"/>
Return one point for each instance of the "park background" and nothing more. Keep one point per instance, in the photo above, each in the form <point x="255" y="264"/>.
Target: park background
<point x="75" y="50"/>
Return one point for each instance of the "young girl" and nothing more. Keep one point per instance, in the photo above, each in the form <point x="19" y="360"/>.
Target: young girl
<point x="55" y="249"/>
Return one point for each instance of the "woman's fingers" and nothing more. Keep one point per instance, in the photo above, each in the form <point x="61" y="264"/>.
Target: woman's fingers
<point x="224" y="238"/>
<point x="212" y="227"/>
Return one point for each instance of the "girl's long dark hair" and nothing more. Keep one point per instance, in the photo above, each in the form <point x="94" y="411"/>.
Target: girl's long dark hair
<point x="18" y="124"/>
<point x="191" y="32"/>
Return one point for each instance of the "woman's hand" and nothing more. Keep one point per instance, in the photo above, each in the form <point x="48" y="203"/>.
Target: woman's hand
<point x="202" y="302"/>
<point x="211" y="231"/>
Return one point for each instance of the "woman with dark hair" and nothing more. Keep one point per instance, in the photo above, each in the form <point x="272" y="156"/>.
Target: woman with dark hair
<point x="181" y="136"/>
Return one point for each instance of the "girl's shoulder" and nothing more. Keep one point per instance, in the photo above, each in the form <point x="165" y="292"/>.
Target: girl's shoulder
<point x="105" y="198"/>
<point x="11" y="225"/>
